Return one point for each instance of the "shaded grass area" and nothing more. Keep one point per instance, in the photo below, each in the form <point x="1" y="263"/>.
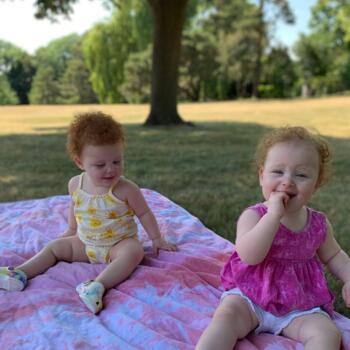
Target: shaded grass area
<point x="206" y="169"/>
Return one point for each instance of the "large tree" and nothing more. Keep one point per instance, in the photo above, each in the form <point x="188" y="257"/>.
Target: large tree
<point x="169" y="18"/>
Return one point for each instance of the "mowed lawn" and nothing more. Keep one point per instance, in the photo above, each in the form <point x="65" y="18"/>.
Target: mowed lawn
<point x="207" y="168"/>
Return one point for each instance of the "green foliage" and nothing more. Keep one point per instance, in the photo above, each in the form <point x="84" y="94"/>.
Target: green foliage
<point x="331" y="16"/>
<point x="104" y="61"/>
<point x="324" y="55"/>
<point x="344" y="21"/>
<point x="108" y="45"/>
<point x="267" y="91"/>
<point x="231" y="25"/>
<point x="75" y="86"/>
<point x="226" y="54"/>
<point x="50" y="8"/>
<point x="136" y="87"/>
<point x="7" y="95"/>
<point x="45" y="88"/>
<point x="241" y="31"/>
<point x="18" y="68"/>
<point x="62" y="76"/>
<point x="58" y="52"/>
<point x="279" y="75"/>
<point x="198" y="66"/>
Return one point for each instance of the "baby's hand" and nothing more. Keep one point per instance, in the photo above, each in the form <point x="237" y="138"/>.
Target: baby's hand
<point x="161" y="243"/>
<point x="346" y="293"/>
<point x="277" y="203"/>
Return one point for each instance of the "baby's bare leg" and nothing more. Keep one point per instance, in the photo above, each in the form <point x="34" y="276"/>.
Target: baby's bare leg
<point x="125" y="256"/>
<point x="66" y="248"/>
<point x="315" y="331"/>
<point x="232" y="320"/>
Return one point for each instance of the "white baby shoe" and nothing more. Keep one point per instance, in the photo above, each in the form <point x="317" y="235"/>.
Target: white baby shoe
<point x="11" y="279"/>
<point x="91" y="293"/>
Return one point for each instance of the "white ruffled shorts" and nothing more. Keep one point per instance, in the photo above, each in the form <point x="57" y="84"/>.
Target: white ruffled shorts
<point x="268" y="322"/>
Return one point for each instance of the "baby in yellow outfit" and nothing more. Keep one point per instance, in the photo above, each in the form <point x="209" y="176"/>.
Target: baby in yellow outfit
<point x="101" y="225"/>
<point x="102" y="220"/>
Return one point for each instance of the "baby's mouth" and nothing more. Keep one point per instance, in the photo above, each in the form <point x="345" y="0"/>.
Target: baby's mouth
<point x="290" y="195"/>
<point x="108" y="178"/>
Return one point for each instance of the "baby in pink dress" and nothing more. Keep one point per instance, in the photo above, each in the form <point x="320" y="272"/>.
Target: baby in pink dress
<point x="274" y="280"/>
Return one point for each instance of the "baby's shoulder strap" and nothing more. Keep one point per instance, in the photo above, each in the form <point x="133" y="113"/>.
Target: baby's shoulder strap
<point x="80" y="183"/>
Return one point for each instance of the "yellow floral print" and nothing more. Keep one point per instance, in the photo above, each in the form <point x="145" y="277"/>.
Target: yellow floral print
<point x="78" y="202"/>
<point x="91" y="210"/>
<point x="107" y="234"/>
<point x="129" y="212"/>
<point x="94" y="223"/>
<point x="91" y="254"/>
<point x="112" y="214"/>
<point x="110" y="200"/>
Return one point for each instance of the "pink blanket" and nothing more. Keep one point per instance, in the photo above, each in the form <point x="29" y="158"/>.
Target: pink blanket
<point x="165" y="304"/>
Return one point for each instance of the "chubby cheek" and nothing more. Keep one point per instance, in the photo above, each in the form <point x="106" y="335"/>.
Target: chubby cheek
<point x="96" y="173"/>
<point x="120" y="170"/>
<point x="266" y="186"/>
<point x="265" y="189"/>
<point x="308" y="193"/>
<point x="266" y="192"/>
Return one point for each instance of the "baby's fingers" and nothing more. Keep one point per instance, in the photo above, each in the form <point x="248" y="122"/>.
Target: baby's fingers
<point x="169" y="246"/>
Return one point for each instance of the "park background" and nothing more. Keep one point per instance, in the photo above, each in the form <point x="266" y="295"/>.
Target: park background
<point x="233" y="83"/>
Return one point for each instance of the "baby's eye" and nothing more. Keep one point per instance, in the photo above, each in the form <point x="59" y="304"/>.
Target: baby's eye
<point x="99" y="165"/>
<point x="277" y="171"/>
<point x="301" y="175"/>
<point x="116" y="162"/>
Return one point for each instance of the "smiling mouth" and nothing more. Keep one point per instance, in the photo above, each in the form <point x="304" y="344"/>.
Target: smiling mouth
<point x="108" y="178"/>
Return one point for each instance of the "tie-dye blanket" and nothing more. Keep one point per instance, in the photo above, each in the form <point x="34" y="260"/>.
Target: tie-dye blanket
<point x="165" y="304"/>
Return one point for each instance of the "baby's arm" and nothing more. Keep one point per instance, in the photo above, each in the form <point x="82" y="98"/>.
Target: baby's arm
<point x="138" y="203"/>
<point x="72" y="224"/>
<point x="254" y="234"/>
<point x="338" y="262"/>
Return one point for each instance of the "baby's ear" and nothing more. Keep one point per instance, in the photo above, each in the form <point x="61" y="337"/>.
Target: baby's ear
<point x="78" y="162"/>
<point x="318" y="184"/>
<point x="261" y="169"/>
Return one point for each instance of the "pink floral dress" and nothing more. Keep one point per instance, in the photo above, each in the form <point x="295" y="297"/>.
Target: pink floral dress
<point x="291" y="277"/>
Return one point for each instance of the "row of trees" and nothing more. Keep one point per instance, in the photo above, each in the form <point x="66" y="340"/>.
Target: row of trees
<point x="226" y="53"/>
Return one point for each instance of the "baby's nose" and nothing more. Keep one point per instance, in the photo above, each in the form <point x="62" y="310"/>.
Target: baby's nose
<point x="287" y="181"/>
<point x="110" y="168"/>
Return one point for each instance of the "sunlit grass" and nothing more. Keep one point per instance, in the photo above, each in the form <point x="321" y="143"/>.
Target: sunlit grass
<point x="330" y="116"/>
<point x="205" y="169"/>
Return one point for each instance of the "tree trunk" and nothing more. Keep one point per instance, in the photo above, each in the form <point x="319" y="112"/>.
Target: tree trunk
<point x="169" y="18"/>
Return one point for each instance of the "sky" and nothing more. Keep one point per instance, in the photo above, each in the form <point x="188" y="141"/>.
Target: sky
<point x="288" y="34"/>
<point x="19" y="26"/>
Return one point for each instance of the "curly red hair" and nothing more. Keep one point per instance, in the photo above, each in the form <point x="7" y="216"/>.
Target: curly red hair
<point x="92" y="128"/>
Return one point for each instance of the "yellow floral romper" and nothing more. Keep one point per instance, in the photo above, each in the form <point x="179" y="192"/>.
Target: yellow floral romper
<point x="103" y="221"/>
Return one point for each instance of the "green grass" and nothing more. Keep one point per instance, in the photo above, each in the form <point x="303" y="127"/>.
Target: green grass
<point x="206" y="169"/>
